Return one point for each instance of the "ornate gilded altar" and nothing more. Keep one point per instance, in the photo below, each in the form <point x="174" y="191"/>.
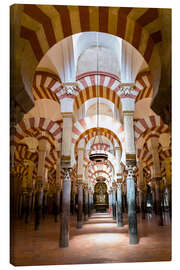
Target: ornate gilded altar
<point x="100" y="197"/>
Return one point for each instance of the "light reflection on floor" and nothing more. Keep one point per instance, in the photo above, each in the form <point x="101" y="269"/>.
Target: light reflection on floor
<point x="98" y="241"/>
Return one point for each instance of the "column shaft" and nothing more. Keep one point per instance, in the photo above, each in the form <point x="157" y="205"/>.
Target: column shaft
<point x="86" y="205"/>
<point x="132" y="220"/>
<point x="64" y="227"/>
<point x="114" y="204"/>
<point x="80" y="206"/>
<point x="119" y="206"/>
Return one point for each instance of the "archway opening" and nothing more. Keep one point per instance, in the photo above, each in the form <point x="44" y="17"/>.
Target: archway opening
<point x="100" y="196"/>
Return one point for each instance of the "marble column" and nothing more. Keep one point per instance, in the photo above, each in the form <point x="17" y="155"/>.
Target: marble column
<point x="80" y="203"/>
<point x="58" y="189"/>
<point x="89" y="203"/>
<point x="29" y="190"/>
<point x="28" y="204"/>
<point x="57" y="202"/>
<point x="158" y="200"/>
<point x="153" y="143"/>
<point x="141" y="183"/>
<point x="114" y="201"/>
<point x="110" y="203"/>
<point x="131" y="200"/>
<point x="44" y="148"/>
<point x="142" y="199"/>
<point x="39" y="202"/>
<point x="64" y="226"/>
<point x="119" y="205"/>
<point x="168" y="182"/>
<point x="85" y="202"/>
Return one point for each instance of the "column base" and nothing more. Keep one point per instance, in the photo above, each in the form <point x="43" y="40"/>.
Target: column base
<point x="120" y="224"/>
<point x="133" y="239"/>
<point x="86" y="218"/>
<point x="64" y="242"/>
<point x="79" y="225"/>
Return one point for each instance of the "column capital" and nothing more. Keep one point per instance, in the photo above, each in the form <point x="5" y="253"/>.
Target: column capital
<point x="79" y="182"/>
<point x="39" y="182"/>
<point x="130" y="169"/>
<point x="67" y="172"/>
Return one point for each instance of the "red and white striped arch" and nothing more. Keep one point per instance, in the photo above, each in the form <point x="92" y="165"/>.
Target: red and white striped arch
<point x="90" y="124"/>
<point x="100" y="146"/>
<point x="27" y="126"/>
<point x="144" y="85"/>
<point x="108" y="86"/>
<point x="22" y="153"/>
<point x="152" y="122"/>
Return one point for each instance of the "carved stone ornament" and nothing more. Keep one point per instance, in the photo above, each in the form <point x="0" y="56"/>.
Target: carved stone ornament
<point x="130" y="170"/>
<point x="67" y="172"/>
<point x="69" y="90"/>
<point x="126" y="90"/>
<point x="39" y="184"/>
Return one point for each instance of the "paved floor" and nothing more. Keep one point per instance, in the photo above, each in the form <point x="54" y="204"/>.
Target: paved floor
<point x="99" y="241"/>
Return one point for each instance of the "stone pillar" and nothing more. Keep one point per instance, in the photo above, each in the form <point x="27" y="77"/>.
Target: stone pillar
<point x="39" y="202"/>
<point x="152" y="144"/>
<point x="142" y="200"/>
<point x="124" y="197"/>
<point x="28" y="204"/>
<point x="110" y="203"/>
<point x="168" y="182"/>
<point x="29" y="190"/>
<point x="74" y="198"/>
<point x="57" y="190"/>
<point x="141" y="190"/>
<point x="114" y="201"/>
<point x="89" y="203"/>
<point x="80" y="203"/>
<point x="158" y="200"/>
<point x="119" y="205"/>
<point x="57" y="202"/>
<point x="45" y="199"/>
<point x="132" y="220"/>
<point x="85" y="202"/>
<point x="44" y="148"/>
<point x="64" y="227"/>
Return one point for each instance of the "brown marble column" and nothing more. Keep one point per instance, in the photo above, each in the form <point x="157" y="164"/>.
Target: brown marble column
<point x="64" y="226"/>
<point x="153" y="143"/>
<point x="44" y="148"/>
<point x="85" y="202"/>
<point x="80" y="204"/>
<point x="131" y="200"/>
<point x="158" y="200"/>
<point x="119" y="205"/>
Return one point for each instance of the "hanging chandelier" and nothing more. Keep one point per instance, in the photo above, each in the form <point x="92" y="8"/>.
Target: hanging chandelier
<point x="98" y="156"/>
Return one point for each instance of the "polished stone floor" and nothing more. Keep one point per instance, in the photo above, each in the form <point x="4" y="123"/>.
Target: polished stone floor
<point x="99" y="241"/>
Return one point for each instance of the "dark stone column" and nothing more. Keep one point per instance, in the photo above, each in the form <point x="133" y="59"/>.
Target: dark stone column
<point x="119" y="205"/>
<point x="110" y="203"/>
<point x="142" y="201"/>
<point x="153" y="198"/>
<point x="86" y="203"/>
<point x="114" y="203"/>
<point x="131" y="200"/>
<point x="73" y="202"/>
<point x="45" y="203"/>
<point x="57" y="204"/>
<point x="89" y="204"/>
<point x="64" y="226"/>
<point x="38" y="204"/>
<point x="169" y="199"/>
<point x="28" y="205"/>
<point x="158" y="200"/>
<point x="80" y="204"/>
